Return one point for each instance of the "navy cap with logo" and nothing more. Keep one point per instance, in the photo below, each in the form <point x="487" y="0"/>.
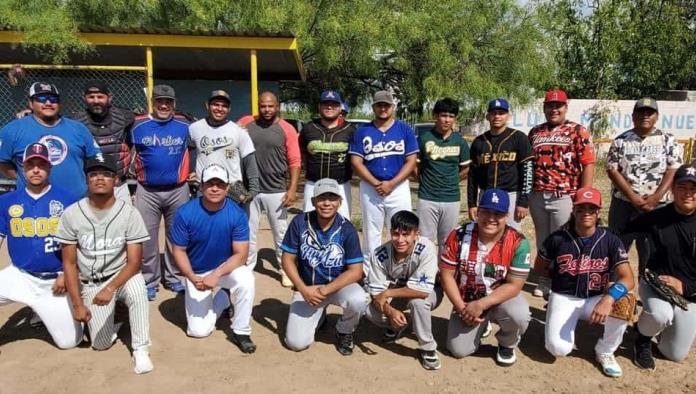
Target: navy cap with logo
<point x="219" y="94"/>
<point x="37" y="88"/>
<point x="646" y="102"/>
<point x="96" y="86"/>
<point x="36" y="150"/>
<point x="101" y="162"/>
<point x="163" y="91"/>
<point x="687" y="172"/>
<point x="330" y="96"/>
<point x="495" y="200"/>
<point x="499" y="103"/>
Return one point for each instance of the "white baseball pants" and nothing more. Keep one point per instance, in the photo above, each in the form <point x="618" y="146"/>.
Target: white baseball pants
<point x="376" y="210"/>
<point x="54" y="311"/>
<point x="344" y="190"/>
<point x="277" y="216"/>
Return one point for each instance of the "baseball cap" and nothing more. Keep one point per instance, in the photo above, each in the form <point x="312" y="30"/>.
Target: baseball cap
<point x="588" y="195"/>
<point x="687" y="172"/>
<point x="42" y="88"/>
<point x="96" y="86"/>
<point x="326" y="185"/>
<point x="163" y="91"/>
<point x="383" y="97"/>
<point x="214" y="171"/>
<point x="556" y="95"/>
<point x="330" y="95"/>
<point x="499" y="103"/>
<point x="36" y="150"/>
<point x="101" y="161"/>
<point x="496" y="200"/>
<point x="345" y="108"/>
<point x="219" y="94"/>
<point x="646" y="102"/>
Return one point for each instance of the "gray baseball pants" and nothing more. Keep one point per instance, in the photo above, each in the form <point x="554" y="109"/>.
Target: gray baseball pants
<point x="512" y="316"/>
<point x="437" y="219"/>
<point x="152" y="203"/>
<point x="304" y="318"/>
<point x="549" y="213"/>
<point x="420" y="316"/>
<point x="101" y="326"/>
<point x="277" y="216"/>
<point x="678" y="327"/>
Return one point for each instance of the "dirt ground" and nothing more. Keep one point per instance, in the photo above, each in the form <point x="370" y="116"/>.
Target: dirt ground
<point x="30" y="363"/>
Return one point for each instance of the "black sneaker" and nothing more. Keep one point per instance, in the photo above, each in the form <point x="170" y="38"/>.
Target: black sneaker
<point x="506" y="356"/>
<point x="244" y="342"/>
<point x="344" y="344"/>
<point x="642" y="353"/>
<point x="429" y="359"/>
<point x="391" y="336"/>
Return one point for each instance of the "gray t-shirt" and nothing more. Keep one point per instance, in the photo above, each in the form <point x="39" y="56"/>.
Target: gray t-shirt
<point x="101" y="250"/>
<point x="271" y="156"/>
<point x="416" y="271"/>
<point x="226" y="145"/>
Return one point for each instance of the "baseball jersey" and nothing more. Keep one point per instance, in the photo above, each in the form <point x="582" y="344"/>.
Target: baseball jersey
<point x="29" y="223"/>
<point x="226" y="145"/>
<point x="582" y="267"/>
<point x="69" y="144"/>
<point x="477" y="269"/>
<point x="440" y="161"/>
<point x="161" y="150"/>
<point x="560" y="152"/>
<point x="322" y="255"/>
<point x="206" y="235"/>
<point x="101" y="238"/>
<point x="417" y="271"/>
<point x="644" y="161"/>
<point x="502" y="161"/>
<point x="384" y="153"/>
<point x="325" y="151"/>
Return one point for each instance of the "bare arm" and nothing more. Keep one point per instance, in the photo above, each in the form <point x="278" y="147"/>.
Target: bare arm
<point x="352" y="274"/>
<point x="587" y="175"/>
<point x="463" y="172"/>
<point x="449" y="285"/>
<point x="8" y="170"/>
<point x="72" y="283"/>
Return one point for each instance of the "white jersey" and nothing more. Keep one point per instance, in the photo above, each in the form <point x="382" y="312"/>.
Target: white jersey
<point x="416" y="271"/>
<point x="225" y="145"/>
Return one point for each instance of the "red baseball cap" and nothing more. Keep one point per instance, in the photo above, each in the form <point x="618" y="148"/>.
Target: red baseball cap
<point x="556" y="95"/>
<point x="588" y="195"/>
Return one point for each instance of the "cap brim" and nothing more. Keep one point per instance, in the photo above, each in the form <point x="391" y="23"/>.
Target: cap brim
<point x="220" y="97"/>
<point x="326" y="192"/>
<point x="575" y="203"/>
<point x="26" y="159"/>
<point x="382" y="101"/>
<point x="496" y="209"/>
<point x="688" y="178"/>
<point x="215" y="177"/>
<point x="99" y="166"/>
<point x="165" y="96"/>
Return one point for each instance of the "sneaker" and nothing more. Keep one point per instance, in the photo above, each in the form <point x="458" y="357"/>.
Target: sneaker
<point x="609" y="365"/>
<point x="642" y="353"/>
<point x="391" y="336"/>
<point x="141" y="359"/>
<point x="35" y="321"/>
<point x="542" y="289"/>
<point x="429" y="359"/>
<point x="488" y="330"/>
<point x="285" y="280"/>
<point x="151" y="293"/>
<point x="344" y="344"/>
<point x="244" y="342"/>
<point x="176" y="287"/>
<point x="505" y="356"/>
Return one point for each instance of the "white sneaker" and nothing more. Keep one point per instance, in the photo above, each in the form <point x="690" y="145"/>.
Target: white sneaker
<point x="141" y="359"/>
<point x="609" y="365"/>
<point x="543" y="288"/>
<point x="285" y="280"/>
<point x="114" y="336"/>
<point x="487" y="331"/>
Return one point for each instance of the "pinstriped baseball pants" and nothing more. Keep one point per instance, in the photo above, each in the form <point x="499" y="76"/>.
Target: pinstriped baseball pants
<point x="101" y="325"/>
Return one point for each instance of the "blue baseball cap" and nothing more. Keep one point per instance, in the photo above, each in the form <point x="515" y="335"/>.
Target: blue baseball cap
<point x="330" y="95"/>
<point x="345" y="108"/>
<point x="495" y="200"/>
<point x="499" y="103"/>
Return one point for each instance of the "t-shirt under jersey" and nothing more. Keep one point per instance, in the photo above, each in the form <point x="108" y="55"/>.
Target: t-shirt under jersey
<point x="101" y="242"/>
<point x="417" y="271"/>
<point x="478" y="269"/>
<point x="208" y="235"/>
<point x="440" y="160"/>
<point x="226" y="145"/>
<point x="69" y="144"/>
<point x="384" y="152"/>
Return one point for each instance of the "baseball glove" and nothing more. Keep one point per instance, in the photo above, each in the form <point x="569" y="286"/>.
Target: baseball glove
<point x="665" y="291"/>
<point x="624" y="308"/>
<point x="239" y="193"/>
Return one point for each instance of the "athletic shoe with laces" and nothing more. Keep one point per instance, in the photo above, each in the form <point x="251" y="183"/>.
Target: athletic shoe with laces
<point x="488" y="330"/>
<point x="391" y="335"/>
<point x="642" y="353"/>
<point x="246" y="345"/>
<point x="429" y="359"/>
<point x="505" y="356"/>
<point x="543" y="288"/>
<point x="344" y="344"/>
<point x="141" y="359"/>
<point x="151" y="293"/>
<point x="177" y="287"/>
<point x="609" y="365"/>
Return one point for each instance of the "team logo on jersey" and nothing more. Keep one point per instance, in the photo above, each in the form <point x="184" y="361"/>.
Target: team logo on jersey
<point x="16" y="210"/>
<point x="55" y="208"/>
<point x="57" y="148"/>
<point x="382" y="148"/>
<point x="316" y="254"/>
<point x="166" y="141"/>
<point x="567" y="264"/>
<point x="423" y="280"/>
<point x="440" y="152"/>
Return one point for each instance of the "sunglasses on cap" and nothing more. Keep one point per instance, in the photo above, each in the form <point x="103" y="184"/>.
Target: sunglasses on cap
<point x="43" y="98"/>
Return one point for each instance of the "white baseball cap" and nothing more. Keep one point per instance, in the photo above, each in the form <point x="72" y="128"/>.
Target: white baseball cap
<point x="215" y="171"/>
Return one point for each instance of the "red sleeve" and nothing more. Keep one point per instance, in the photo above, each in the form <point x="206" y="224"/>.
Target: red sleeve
<point x="585" y="147"/>
<point x="450" y="255"/>
<point x="245" y="120"/>
<point x="292" y="146"/>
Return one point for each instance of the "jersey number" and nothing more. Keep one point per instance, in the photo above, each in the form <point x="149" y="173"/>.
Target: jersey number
<point x="598" y="281"/>
<point x="51" y="245"/>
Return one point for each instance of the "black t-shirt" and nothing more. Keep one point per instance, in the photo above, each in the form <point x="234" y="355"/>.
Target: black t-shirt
<point x="672" y="244"/>
<point x="325" y="151"/>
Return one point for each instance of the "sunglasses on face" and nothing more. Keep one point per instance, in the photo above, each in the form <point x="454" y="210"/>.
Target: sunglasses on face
<point x="101" y="173"/>
<point x="44" y="98"/>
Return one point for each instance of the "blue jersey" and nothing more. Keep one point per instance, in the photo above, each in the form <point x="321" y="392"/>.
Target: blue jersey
<point x="30" y="226"/>
<point x="322" y="255"/>
<point x="208" y="236"/>
<point x="384" y="153"/>
<point x="69" y="144"/>
<point x="581" y="267"/>
<point x="161" y="150"/>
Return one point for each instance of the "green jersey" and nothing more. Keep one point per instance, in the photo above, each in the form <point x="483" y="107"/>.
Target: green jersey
<point x="440" y="161"/>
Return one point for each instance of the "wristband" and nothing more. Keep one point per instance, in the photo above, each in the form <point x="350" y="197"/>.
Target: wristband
<point x="617" y="290"/>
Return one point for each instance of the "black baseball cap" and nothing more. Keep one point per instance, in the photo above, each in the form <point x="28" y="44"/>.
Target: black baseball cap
<point x="36" y="150"/>
<point x="221" y="94"/>
<point x="163" y="91"/>
<point x="96" y="86"/>
<point x="646" y="102"/>
<point x="101" y="162"/>
<point x="686" y="172"/>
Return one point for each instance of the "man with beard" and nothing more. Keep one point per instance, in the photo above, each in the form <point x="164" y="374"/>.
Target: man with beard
<point x="110" y="126"/>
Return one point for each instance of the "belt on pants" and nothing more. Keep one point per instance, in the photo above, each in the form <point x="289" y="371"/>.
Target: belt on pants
<point x="43" y="275"/>
<point x="97" y="281"/>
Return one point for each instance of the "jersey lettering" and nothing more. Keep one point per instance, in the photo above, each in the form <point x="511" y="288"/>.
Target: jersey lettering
<point x="31" y="227"/>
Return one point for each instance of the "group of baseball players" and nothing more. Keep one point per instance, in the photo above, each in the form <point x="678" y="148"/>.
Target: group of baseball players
<point x="79" y="242"/>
